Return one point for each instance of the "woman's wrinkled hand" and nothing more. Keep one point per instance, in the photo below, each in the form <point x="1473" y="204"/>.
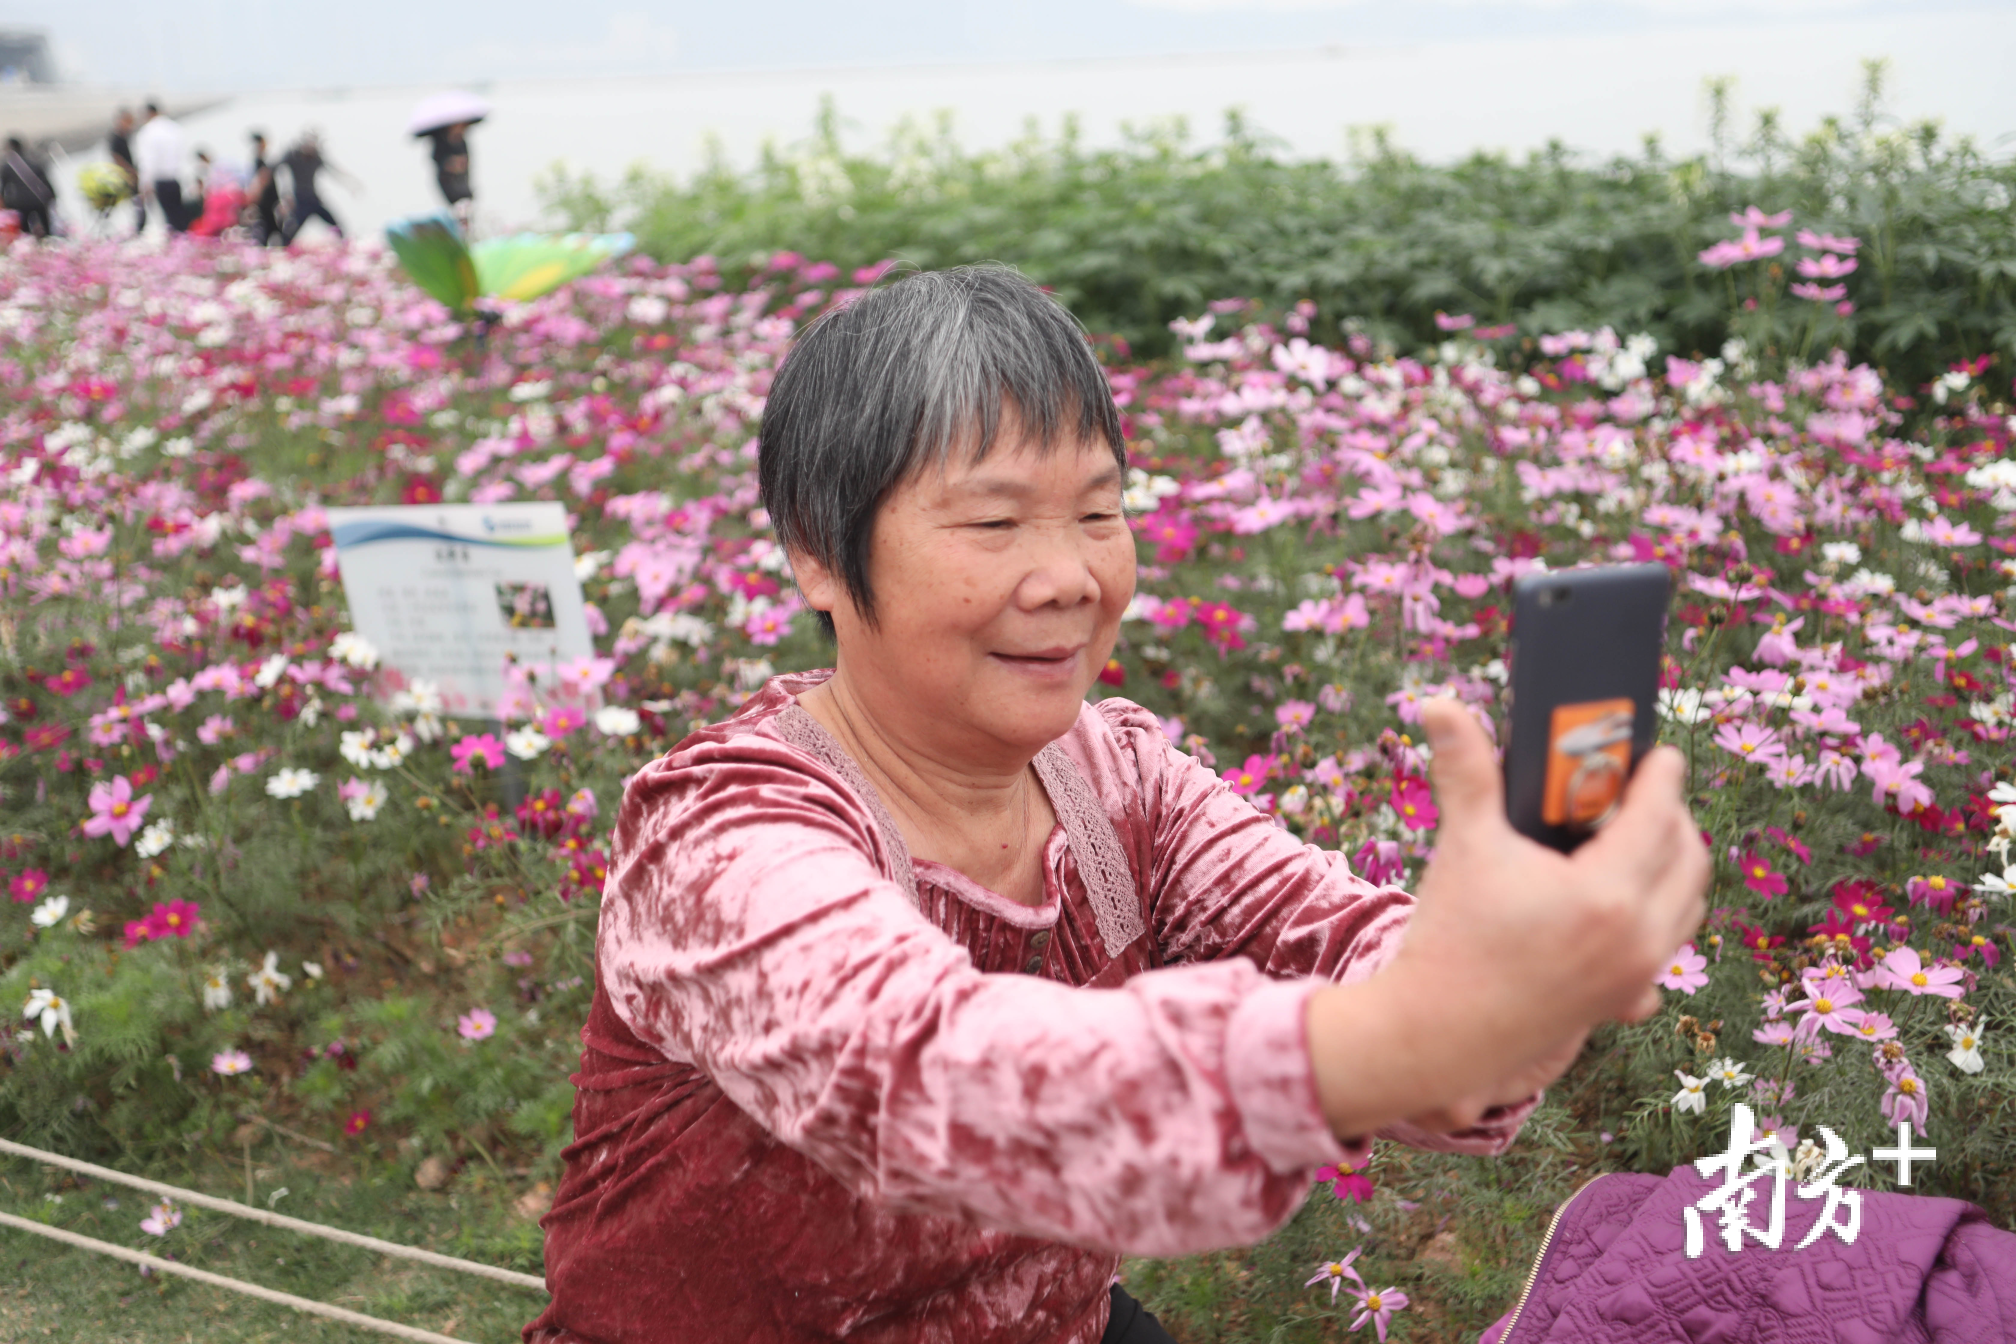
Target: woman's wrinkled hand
<point x="1514" y="951"/>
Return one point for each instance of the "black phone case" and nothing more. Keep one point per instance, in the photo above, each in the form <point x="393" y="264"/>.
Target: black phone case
<point x="1578" y="637"/>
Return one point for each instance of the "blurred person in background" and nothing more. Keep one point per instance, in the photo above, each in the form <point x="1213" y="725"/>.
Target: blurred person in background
<point x="160" y="155"/>
<point x="304" y="163"/>
<point x="119" y="145"/>
<point x="265" y="193"/>
<point x="25" y="189"/>
<point x="451" y="171"/>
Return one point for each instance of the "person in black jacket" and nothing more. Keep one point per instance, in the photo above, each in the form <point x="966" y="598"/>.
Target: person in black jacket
<point x="265" y="194"/>
<point x="120" y="145"/>
<point x="451" y="170"/>
<point x="25" y="189"/>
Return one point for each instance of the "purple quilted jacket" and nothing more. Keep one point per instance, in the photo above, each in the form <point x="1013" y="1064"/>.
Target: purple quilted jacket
<point x="1614" y="1271"/>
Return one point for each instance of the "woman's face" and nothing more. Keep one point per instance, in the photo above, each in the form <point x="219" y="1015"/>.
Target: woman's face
<point x="999" y="587"/>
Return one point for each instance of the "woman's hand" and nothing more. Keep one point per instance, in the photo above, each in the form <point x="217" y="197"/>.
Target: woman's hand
<point x="1514" y="950"/>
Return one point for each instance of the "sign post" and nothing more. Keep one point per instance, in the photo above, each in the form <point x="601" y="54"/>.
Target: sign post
<point x="450" y="593"/>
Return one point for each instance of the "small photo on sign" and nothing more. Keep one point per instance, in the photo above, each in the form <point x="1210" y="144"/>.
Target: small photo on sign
<point x="525" y="606"/>
<point x="1588" y="760"/>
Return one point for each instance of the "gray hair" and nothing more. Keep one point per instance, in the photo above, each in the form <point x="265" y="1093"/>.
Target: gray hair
<point x="900" y="379"/>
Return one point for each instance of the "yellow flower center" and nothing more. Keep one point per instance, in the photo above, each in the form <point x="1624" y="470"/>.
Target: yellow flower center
<point x="1937" y="884"/>
<point x="1908" y="1086"/>
<point x="1823" y="1005"/>
<point x="1918" y="979"/>
<point x="1372" y="1302"/>
<point x="119" y="809"/>
<point x="1678" y="969"/>
<point x="1979" y="941"/>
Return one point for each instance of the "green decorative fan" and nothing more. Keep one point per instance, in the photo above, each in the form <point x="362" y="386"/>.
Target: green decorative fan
<point x="520" y="267"/>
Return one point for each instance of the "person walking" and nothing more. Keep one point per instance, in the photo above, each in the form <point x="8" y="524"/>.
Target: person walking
<point x="120" y="145"/>
<point x="265" y="194"/>
<point x="160" y="154"/>
<point x="451" y="171"/>
<point x="25" y="189"/>
<point x="304" y="162"/>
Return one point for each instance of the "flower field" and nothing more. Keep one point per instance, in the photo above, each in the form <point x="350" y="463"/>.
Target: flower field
<point x="249" y="887"/>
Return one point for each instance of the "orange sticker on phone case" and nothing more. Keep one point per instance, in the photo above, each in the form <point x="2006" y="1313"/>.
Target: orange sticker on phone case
<point x="1588" y="760"/>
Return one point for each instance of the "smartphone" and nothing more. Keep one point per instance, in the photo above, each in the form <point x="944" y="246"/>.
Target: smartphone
<point x="1582" y="695"/>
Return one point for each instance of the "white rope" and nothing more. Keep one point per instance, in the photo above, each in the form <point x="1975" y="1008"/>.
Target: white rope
<point x="155" y="1262"/>
<point x="237" y="1210"/>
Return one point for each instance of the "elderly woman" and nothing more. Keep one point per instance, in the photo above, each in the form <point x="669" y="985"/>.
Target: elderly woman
<point x="926" y="990"/>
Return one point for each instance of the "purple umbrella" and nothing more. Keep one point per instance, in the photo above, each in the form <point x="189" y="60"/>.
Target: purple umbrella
<point x="441" y="110"/>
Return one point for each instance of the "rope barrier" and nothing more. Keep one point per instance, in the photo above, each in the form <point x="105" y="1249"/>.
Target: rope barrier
<point x="281" y="1220"/>
<point x="156" y="1263"/>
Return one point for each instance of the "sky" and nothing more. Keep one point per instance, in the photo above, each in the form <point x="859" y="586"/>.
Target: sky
<point x="220" y="46"/>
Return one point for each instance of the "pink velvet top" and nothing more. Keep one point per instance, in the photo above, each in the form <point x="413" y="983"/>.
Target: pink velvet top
<point x="832" y="1092"/>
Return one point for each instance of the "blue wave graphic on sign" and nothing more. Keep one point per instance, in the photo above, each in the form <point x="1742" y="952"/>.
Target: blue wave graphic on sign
<point x="365" y="533"/>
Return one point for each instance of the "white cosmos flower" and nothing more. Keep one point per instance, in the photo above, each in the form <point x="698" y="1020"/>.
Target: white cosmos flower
<point x="216" y="990"/>
<point x="269" y="671"/>
<point x="616" y="721"/>
<point x="292" y="783"/>
<point x="1728" y="1073"/>
<point x="1996" y="884"/>
<point x="154" y="839"/>
<point x="365" y="803"/>
<point x="48" y="914"/>
<point x="354" y="649"/>
<point x="1692" y="1095"/>
<point x="54" y="1012"/>
<point x="527" y="743"/>
<point x="1966" y="1051"/>
<point x="269" y="981"/>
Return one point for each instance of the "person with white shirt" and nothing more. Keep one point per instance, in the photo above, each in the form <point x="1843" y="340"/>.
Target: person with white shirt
<point x="159" y="156"/>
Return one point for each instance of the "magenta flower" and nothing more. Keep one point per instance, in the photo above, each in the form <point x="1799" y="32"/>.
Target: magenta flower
<point x="1414" y="804"/>
<point x="1758" y="876"/>
<point x="476" y="747"/>
<point x="173" y="919"/>
<point x="1378" y="1308"/>
<point x="115" y="811"/>
<point x="28" y="885"/>
<point x="1346" y="1182"/>
<point x="477" y="1024"/>
<point x="1248" y="779"/>
<point x="1687" y="972"/>
<point x="1901" y="968"/>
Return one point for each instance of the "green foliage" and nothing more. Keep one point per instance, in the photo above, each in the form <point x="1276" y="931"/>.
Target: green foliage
<point x="1133" y="236"/>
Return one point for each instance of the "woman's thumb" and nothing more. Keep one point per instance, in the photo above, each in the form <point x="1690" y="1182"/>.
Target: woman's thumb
<point x="1465" y="769"/>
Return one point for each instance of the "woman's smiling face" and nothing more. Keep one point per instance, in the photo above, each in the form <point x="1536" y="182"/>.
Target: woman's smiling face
<point x="999" y="587"/>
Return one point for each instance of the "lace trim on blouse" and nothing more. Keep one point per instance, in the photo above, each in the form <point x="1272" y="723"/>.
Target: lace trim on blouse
<point x="1095" y="845"/>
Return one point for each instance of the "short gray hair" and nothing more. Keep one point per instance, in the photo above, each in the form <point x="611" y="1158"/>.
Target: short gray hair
<point x="901" y="378"/>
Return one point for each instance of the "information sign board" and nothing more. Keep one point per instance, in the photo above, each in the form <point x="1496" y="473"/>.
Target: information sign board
<point x="447" y="593"/>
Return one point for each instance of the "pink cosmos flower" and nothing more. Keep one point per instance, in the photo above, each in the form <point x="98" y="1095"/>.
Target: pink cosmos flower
<point x="476" y="747"/>
<point x="1823" y="242"/>
<point x="562" y="720"/>
<point x="1905" y="1099"/>
<point x="1775" y="1032"/>
<point x="28" y="886"/>
<point x="1453" y="322"/>
<point x="1898" y="781"/>
<point x="115" y="811"/>
<point x="1826" y="267"/>
<point x="1754" y="218"/>
<point x="1829" y="1006"/>
<point x="477" y="1024"/>
<point x="214" y="730"/>
<point x="1819" y="293"/>
<point x="1294" y="715"/>
<point x="1876" y="1027"/>
<point x="161" y="1218"/>
<point x="1750" y="742"/>
<point x="1334" y="1272"/>
<point x="1377" y="1307"/>
<point x="1750" y="247"/>
<point x="1687" y="972"/>
<point x="173" y="919"/>
<point x="229" y="1062"/>
<point x="1901" y="968"/>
